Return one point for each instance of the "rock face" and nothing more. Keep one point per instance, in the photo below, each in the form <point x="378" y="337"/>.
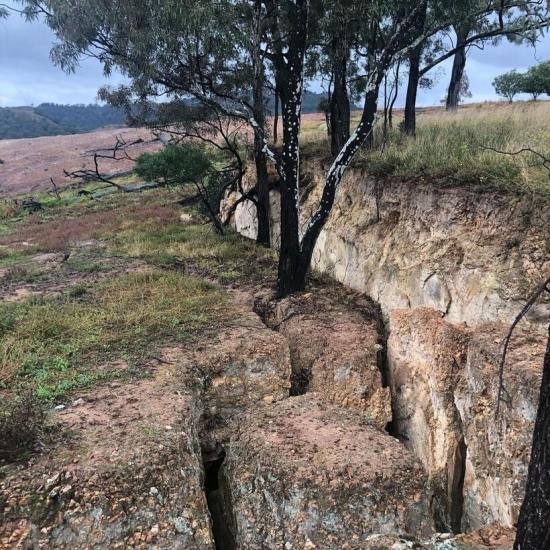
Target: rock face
<point x="444" y="381"/>
<point x="450" y="269"/>
<point x="336" y="350"/>
<point x="498" y="449"/>
<point x="305" y="474"/>
<point x="472" y="255"/>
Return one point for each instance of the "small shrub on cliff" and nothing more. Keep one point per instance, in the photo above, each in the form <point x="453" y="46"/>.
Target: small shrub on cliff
<point x="21" y="424"/>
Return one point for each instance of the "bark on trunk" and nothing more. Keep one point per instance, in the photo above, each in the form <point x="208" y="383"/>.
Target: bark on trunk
<point x="533" y="532"/>
<point x="457" y="73"/>
<point x="289" y="77"/>
<point x="339" y="104"/>
<point x="415" y="57"/>
<point x="276" y="119"/>
<point x="262" y="180"/>
<point x="409" y="124"/>
<point x="333" y="179"/>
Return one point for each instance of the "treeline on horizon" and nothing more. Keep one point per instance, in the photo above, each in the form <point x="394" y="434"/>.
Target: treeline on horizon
<point x="54" y="119"/>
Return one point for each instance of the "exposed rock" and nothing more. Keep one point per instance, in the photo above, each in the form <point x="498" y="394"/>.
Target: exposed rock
<point x="426" y="357"/>
<point x="101" y="494"/>
<point x="498" y="450"/>
<point x="412" y="244"/>
<point x="336" y="350"/>
<point x="239" y="367"/>
<point x="444" y="381"/>
<point x="306" y="474"/>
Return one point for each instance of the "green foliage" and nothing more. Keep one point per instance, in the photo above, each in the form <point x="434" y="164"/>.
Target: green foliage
<point x="508" y="85"/>
<point x="535" y="82"/>
<point x="175" y="164"/>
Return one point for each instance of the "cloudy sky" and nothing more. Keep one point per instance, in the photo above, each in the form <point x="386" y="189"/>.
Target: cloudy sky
<point x="27" y="75"/>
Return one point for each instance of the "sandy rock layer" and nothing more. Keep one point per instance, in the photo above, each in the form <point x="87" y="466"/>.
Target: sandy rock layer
<point x="303" y="473"/>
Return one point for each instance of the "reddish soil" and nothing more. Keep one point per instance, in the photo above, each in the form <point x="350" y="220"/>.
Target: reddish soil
<point x="28" y="164"/>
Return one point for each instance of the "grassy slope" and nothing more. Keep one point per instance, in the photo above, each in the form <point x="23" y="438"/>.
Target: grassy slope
<point x="450" y="147"/>
<point x="57" y="343"/>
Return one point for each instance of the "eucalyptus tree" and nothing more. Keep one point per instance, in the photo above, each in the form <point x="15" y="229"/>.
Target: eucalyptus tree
<point x="205" y="52"/>
<point x="475" y="23"/>
<point x="201" y="50"/>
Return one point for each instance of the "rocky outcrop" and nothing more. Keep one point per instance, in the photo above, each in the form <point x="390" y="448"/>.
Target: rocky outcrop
<point x="337" y="349"/>
<point x="473" y="255"/>
<point x="426" y="357"/>
<point x="499" y="449"/>
<point x="305" y="474"/>
<point x="133" y="478"/>
<point x="451" y="267"/>
<point x="444" y="381"/>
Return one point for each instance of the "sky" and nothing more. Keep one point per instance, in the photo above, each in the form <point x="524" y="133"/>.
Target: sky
<point x="28" y="77"/>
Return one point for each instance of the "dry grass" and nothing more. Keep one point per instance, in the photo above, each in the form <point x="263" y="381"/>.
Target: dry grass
<point x="451" y="147"/>
<point x="41" y="233"/>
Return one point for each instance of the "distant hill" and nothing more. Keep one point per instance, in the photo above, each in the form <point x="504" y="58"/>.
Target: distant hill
<point x="50" y="119"/>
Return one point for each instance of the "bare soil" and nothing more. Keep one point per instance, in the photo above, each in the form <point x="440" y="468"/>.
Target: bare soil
<point x="30" y="163"/>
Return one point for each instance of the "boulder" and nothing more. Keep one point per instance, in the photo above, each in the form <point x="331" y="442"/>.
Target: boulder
<point x="302" y="473"/>
<point x="336" y="349"/>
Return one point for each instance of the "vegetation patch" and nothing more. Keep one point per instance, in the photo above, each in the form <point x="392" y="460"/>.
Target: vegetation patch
<point x="467" y="147"/>
<point x="228" y="258"/>
<point x="57" y="345"/>
<point x="21" y="423"/>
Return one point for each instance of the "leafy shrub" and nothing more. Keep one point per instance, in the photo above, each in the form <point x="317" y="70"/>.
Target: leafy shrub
<point x="21" y="423"/>
<point x="175" y="164"/>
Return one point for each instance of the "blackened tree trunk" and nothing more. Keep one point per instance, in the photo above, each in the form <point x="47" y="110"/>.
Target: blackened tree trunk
<point x="533" y="532"/>
<point x="289" y="75"/>
<point x="276" y="119"/>
<point x="415" y="57"/>
<point x="457" y="73"/>
<point x="334" y="177"/>
<point x="260" y="158"/>
<point x="339" y="104"/>
<point x="409" y="123"/>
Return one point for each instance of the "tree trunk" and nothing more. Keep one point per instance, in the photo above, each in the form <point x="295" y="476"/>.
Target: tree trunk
<point x="289" y="69"/>
<point x="533" y="532"/>
<point x="409" y="124"/>
<point x="415" y="57"/>
<point x="262" y="180"/>
<point x="276" y="119"/>
<point x="457" y="73"/>
<point x="339" y="103"/>
<point x="333" y="179"/>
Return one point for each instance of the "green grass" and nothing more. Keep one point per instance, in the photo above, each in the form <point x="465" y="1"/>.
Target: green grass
<point x="57" y="345"/>
<point x="228" y="258"/>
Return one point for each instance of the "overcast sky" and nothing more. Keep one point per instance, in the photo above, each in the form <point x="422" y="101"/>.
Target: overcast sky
<point x="27" y="75"/>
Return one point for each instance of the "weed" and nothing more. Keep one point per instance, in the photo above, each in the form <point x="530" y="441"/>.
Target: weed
<point x="21" y="423"/>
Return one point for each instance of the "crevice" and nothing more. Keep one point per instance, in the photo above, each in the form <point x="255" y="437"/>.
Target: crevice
<point x="456" y="487"/>
<point x="217" y="501"/>
<point x="300" y="378"/>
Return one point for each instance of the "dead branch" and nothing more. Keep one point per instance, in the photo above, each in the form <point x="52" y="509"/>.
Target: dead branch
<point x="543" y="287"/>
<point x="545" y="160"/>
